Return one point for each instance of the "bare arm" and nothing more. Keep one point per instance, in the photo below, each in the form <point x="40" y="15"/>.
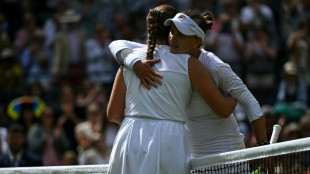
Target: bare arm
<point x="202" y="82"/>
<point x="116" y="105"/>
<point x="259" y="129"/>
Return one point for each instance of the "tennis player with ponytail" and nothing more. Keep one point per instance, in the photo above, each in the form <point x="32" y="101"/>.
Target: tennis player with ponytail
<point x="209" y="133"/>
<point x="152" y="137"/>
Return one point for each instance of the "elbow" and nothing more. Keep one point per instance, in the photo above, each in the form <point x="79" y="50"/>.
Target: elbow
<point x="113" y="120"/>
<point x="114" y="117"/>
<point x="110" y="118"/>
<point x="224" y="114"/>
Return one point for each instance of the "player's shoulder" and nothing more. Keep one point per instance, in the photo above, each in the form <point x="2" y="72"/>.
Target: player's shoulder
<point x="165" y="50"/>
<point x="210" y="59"/>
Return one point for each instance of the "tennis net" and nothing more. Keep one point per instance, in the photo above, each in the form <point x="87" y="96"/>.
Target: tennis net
<point x="79" y="169"/>
<point x="290" y="157"/>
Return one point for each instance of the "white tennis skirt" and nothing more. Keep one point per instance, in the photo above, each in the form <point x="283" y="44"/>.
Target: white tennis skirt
<point x="150" y="146"/>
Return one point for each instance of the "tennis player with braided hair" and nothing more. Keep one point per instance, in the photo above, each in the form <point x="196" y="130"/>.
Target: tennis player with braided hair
<point x="209" y="133"/>
<point x="152" y="137"/>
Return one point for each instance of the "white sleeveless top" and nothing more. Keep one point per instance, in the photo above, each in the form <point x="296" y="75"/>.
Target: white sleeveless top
<point x="169" y="100"/>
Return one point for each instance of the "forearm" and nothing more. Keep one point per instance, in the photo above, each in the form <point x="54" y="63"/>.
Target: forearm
<point x="232" y="85"/>
<point x="121" y="51"/>
<point x="118" y="119"/>
<point x="230" y="106"/>
<point x="220" y="105"/>
<point x="259" y="129"/>
<point x="116" y="105"/>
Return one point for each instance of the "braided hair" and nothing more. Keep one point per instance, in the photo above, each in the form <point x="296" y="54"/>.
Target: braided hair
<point x="155" y="26"/>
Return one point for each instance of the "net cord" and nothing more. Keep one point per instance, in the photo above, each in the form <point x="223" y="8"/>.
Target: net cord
<point x="57" y="169"/>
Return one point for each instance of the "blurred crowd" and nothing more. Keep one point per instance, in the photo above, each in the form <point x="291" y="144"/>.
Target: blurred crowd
<point x="56" y="71"/>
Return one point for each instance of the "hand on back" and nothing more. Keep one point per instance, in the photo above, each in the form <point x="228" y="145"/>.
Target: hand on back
<point x="148" y="77"/>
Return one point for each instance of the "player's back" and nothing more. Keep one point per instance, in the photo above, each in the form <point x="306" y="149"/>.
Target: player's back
<point x="168" y="101"/>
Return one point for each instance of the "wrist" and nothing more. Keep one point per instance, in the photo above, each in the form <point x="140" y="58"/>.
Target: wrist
<point x="130" y="60"/>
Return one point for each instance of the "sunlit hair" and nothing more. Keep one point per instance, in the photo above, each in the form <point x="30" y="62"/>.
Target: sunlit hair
<point x="204" y="20"/>
<point x="155" y="26"/>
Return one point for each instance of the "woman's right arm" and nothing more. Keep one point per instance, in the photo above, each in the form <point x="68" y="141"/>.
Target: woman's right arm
<point x="120" y="49"/>
<point x="205" y="86"/>
<point x="116" y="105"/>
<point x="122" y="52"/>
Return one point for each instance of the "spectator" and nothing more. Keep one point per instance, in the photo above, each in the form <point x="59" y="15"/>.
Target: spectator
<point x="46" y="140"/>
<point x="25" y="35"/>
<point x="304" y="123"/>
<point x="87" y="152"/>
<point x="100" y="62"/>
<point x="69" y="158"/>
<point x="27" y="117"/>
<point x="4" y="122"/>
<point x="70" y="114"/>
<point x="227" y="37"/>
<point x="4" y="35"/>
<point x="51" y="26"/>
<point x="120" y="22"/>
<point x="11" y="76"/>
<point x="89" y="11"/>
<point x="90" y="93"/>
<point x="298" y="45"/>
<point x="36" y="61"/>
<point x="69" y="51"/>
<point x="260" y="57"/>
<point x="256" y="15"/>
<point x="103" y="130"/>
<point x="291" y="131"/>
<point x="291" y="101"/>
<point x="18" y="155"/>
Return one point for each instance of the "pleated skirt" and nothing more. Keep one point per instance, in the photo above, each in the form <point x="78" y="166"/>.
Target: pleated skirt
<point x="150" y="146"/>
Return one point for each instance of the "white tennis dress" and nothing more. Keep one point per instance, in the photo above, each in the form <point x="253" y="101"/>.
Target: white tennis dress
<point x="152" y="138"/>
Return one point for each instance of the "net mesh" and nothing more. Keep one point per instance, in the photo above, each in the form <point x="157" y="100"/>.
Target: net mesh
<point x="293" y="163"/>
<point x="291" y="157"/>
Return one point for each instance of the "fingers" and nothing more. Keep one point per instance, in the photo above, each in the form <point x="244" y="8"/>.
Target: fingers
<point x="153" y="72"/>
<point x="145" y="84"/>
<point x="155" y="79"/>
<point x="156" y="74"/>
<point x="154" y="61"/>
<point x="151" y="82"/>
<point x="148" y="76"/>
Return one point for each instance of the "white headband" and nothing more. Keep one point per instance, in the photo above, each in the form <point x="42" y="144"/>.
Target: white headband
<point x="185" y="25"/>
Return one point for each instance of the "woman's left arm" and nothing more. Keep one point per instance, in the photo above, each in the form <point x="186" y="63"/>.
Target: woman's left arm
<point x="231" y="84"/>
<point x="116" y="105"/>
